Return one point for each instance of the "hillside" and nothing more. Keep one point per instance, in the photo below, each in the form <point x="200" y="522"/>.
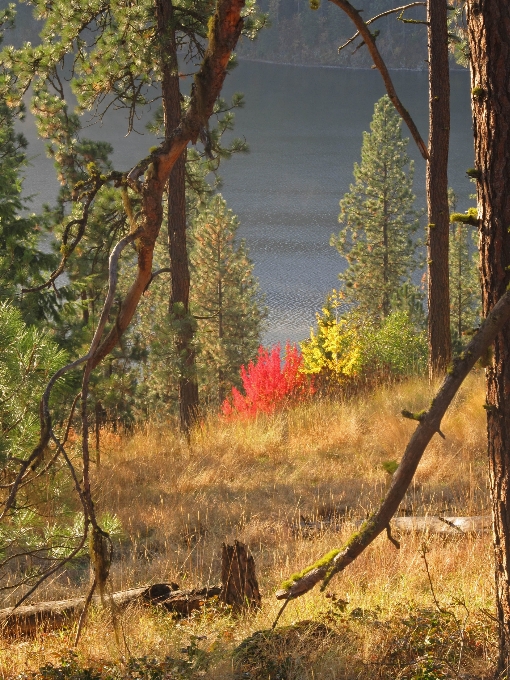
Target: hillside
<point x="266" y="482"/>
<point x="298" y="35"/>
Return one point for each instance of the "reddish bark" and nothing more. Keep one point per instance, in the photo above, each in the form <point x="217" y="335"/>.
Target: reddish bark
<point x="225" y="29"/>
<point x="439" y="335"/>
<point x="489" y="44"/>
<point x="177" y="245"/>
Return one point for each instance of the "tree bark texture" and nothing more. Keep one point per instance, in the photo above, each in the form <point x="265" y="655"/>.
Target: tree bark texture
<point x="238" y="578"/>
<point x="177" y="245"/>
<point x="489" y="44"/>
<point x="439" y="335"/>
<point x="179" y="295"/>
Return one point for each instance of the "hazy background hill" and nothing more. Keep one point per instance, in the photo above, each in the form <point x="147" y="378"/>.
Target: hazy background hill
<point x="298" y="35"/>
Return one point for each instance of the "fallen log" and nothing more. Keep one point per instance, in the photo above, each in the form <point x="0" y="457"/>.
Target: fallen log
<point x="429" y="524"/>
<point x="26" y="620"/>
<point x="239" y="588"/>
<point x="448" y="526"/>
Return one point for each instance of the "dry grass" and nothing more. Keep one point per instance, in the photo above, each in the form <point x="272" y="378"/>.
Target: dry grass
<point x="252" y="481"/>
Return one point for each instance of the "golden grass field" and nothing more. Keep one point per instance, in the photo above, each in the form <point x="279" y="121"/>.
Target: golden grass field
<point x="252" y="481"/>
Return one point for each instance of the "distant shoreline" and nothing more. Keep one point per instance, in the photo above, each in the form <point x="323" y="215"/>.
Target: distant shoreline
<point x="459" y="69"/>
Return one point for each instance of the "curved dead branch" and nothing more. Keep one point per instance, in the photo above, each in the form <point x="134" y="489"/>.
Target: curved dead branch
<point x="224" y="31"/>
<point x="46" y="430"/>
<point x="163" y="270"/>
<point x="67" y="250"/>
<point x="367" y="36"/>
<point x="429" y="424"/>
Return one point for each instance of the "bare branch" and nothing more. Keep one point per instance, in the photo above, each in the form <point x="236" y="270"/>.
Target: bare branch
<point x="364" y="32"/>
<point x="113" y="277"/>
<point x="224" y="30"/>
<point x="60" y="446"/>
<point x="46" y="432"/>
<point x="163" y="270"/>
<point x="83" y="614"/>
<point x="380" y="16"/>
<point x="67" y="250"/>
<point x="49" y="573"/>
<point x="429" y="424"/>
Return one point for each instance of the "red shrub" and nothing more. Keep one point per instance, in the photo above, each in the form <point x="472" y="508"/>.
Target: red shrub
<point x="269" y="384"/>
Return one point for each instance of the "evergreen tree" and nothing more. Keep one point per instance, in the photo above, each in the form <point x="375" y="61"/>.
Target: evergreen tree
<point x="378" y="217"/>
<point x="225" y="312"/>
<point x="116" y="51"/>
<point x="225" y="300"/>
<point x="113" y="68"/>
<point x="28" y="357"/>
<point x="22" y="263"/>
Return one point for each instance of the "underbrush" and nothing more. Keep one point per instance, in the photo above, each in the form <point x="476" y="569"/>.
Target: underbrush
<point x="290" y="485"/>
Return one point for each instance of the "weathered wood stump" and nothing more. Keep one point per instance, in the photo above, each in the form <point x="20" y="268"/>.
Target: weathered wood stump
<point x="239" y="582"/>
<point x="239" y="588"/>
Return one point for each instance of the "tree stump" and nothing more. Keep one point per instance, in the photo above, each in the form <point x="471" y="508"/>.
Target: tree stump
<point x="239" y="582"/>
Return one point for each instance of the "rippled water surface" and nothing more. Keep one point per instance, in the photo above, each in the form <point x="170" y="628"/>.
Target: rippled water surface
<point x="304" y="127"/>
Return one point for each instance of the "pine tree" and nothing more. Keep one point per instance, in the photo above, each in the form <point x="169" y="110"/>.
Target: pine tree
<point x="378" y="217"/>
<point x="224" y="299"/>
<point x="225" y="310"/>
<point x="22" y="263"/>
<point x="119" y="53"/>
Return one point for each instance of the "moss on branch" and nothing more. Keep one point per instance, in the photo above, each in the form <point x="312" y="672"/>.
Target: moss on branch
<point x="470" y="217"/>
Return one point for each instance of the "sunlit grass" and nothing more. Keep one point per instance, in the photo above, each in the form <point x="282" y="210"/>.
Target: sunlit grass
<point x="253" y="481"/>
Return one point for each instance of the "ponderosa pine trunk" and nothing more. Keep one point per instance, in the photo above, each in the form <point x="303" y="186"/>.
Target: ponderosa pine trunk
<point x="177" y="243"/>
<point x="179" y="294"/>
<point x="489" y="44"/>
<point x="439" y="335"/>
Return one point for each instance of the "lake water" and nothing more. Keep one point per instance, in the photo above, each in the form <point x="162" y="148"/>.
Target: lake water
<point x="304" y="127"/>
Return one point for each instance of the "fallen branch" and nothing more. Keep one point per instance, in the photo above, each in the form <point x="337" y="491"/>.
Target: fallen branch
<point x="445" y="526"/>
<point x="431" y="524"/>
<point x="55" y="614"/>
<point x="429" y="424"/>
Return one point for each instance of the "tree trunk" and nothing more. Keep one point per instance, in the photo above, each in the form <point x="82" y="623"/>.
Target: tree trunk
<point x="179" y="295"/>
<point x="239" y="582"/>
<point x="177" y="246"/>
<point x="460" y="232"/>
<point x="221" y="386"/>
<point x="489" y="43"/>
<point x="437" y="191"/>
<point x="386" y="263"/>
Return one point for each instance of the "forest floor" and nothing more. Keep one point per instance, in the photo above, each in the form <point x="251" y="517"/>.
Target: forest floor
<point x="423" y="612"/>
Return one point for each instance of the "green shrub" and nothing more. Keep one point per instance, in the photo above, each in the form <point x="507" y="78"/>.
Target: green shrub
<point x="349" y="348"/>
